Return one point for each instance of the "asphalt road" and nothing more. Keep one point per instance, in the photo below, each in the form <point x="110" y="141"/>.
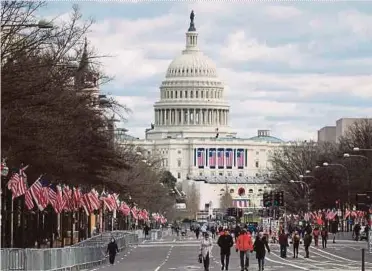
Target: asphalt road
<point x="182" y="254"/>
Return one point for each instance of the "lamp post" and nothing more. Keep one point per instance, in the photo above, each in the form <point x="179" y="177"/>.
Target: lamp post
<point x="356" y="149"/>
<point x="325" y="164"/>
<point x="307" y="191"/>
<point x="42" y="24"/>
<point x="348" y="155"/>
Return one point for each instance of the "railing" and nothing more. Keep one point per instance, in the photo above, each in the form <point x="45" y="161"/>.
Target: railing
<point x="83" y="255"/>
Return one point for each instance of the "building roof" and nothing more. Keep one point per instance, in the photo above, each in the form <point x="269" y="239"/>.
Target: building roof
<point x="270" y="139"/>
<point x="230" y="180"/>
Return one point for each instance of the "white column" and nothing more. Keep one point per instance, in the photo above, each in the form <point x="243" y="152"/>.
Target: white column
<point x="188" y="116"/>
<point x="193" y="116"/>
<point x="182" y="116"/>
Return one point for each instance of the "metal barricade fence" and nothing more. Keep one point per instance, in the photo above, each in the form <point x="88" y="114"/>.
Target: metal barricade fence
<point x="83" y="255"/>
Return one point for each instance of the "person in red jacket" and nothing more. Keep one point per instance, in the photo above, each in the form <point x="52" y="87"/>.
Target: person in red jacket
<point x="244" y="245"/>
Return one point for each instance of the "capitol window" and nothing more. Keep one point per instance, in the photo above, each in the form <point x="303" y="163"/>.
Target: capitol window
<point x="232" y="191"/>
<point x="181" y="94"/>
<point x="196" y="94"/>
<point x="179" y="163"/>
<point x="179" y="151"/>
<point x="240" y="174"/>
<point x="229" y="173"/>
<point x="202" y="94"/>
<point x="175" y="93"/>
<point x="171" y="94"/>
<point x="185" y="94"/>
<point x="191" y="94"/>
<point x="179" y="175"/>
<point x="257" y="164"/>
<point x="250" y="191"/>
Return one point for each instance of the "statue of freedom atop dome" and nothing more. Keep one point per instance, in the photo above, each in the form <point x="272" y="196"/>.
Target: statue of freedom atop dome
<point x="192" y="26"/>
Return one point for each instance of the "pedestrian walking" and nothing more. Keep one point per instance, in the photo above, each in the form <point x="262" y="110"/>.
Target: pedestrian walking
<point x="334" y="230"/>
<point x="283" y="243"/>
<point x="316" y="233"/>
<point x="296" y="243"/>
<point x="146" y="230"/>
<point x="112" y="249"/>
<point x="206" y="250"/>
<point x="307" y="243"/>
<point x="197" y="232"/>
<point x="260" y="246"/>
<point x="324" y="234"/>
<point x="244" y="245"/>
<point x="225" y="242"/>
<point x="213" y="231"/>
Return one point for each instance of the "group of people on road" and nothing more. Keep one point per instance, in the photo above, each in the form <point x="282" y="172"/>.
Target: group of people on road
<point x="244" y="245"/>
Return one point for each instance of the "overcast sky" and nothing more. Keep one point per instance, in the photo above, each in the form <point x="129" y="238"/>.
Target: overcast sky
<point x="292" y="68"/>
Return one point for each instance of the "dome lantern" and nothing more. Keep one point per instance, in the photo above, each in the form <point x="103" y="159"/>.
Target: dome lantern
<point x="191" y="36"/>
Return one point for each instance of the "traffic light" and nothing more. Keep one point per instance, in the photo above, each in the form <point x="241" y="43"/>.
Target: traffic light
<point x="276" y="199"/>
<point x="281" y="198"/>
<point x="265" y="199"/>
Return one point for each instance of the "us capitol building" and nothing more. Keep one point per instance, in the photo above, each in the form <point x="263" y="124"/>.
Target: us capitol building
<point x="191" y="132"/>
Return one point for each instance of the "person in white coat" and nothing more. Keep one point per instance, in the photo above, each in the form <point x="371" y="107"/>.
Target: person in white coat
<point x="206" y="250"/>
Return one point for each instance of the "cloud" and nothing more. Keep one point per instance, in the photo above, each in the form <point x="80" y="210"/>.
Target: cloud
<point x="291" y="67"/>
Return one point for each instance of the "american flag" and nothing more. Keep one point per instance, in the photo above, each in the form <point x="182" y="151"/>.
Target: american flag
<point x="77" y="197"/>
<point x="212" y="158"/>
<point x="68" y="198"/>
<point x="94" y="199"/>
<point x="124" y="208"/>
<point x="17" y="183"/>
<point x="134" y="213"/>
<point x="220" y="158"/>
<point x="240" y="158"/>
<point x="109" y="201"/>
<point x="52" y="196"/>
<point x="201" y="158"/>
<point x="39" y="190"/>
<point x="85" y="203"/>
<point x="229" y="158"/>
<point x="60" y="201"/>
<point x="28" y="200"/>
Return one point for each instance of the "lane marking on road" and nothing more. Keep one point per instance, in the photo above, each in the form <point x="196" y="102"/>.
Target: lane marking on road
<point x="165" y="261"/>
<point x="289" y="264"/>
<point x="339" y="257"/>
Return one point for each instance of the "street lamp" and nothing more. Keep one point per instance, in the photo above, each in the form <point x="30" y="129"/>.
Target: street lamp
<point x="359" y="149"/>
<point x="347" y="155"/>
<point x="42" y="24"/>
<point x="347" y="176"/>
<point x="307" y="191"/>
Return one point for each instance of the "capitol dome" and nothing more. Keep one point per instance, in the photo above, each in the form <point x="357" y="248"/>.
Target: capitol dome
<point x="192" y="100"/>
<point x="192" y="65"/>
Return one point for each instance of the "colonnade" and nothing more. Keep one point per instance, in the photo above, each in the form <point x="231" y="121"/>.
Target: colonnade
<point x="191" y="116"/>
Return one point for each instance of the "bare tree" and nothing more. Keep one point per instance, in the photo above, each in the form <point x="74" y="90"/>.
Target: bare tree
<point x="44" y="121"/>
<point x="192" y="201"/>
<point x="226" y="201"/>
<point x="291" y="161"/>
